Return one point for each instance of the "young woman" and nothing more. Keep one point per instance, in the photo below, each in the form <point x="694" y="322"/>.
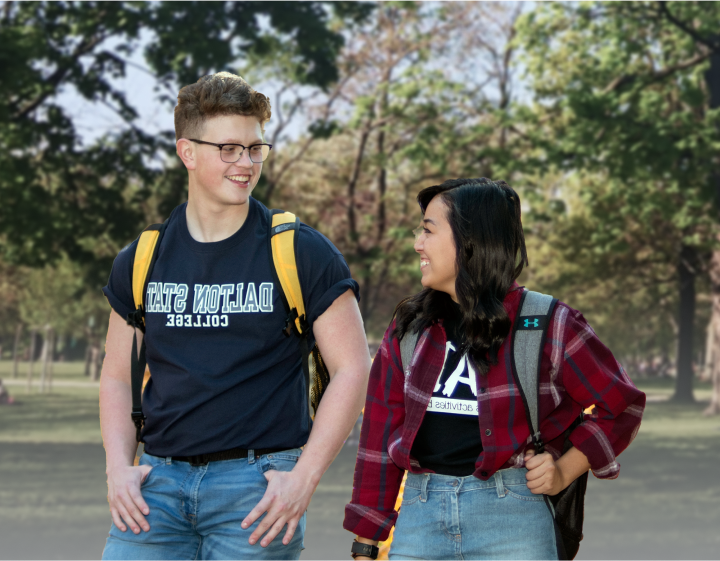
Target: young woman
<point x="454" y="419"/>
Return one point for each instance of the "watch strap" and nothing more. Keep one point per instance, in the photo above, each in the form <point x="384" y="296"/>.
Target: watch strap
<point x="364" y="549"/>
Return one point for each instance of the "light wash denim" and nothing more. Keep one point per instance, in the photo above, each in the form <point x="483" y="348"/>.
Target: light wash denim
<point x="446" y="517"/>
<point x="196" y="511"/>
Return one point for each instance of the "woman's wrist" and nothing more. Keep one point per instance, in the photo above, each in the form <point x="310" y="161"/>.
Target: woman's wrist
<point x="364" y="548"/>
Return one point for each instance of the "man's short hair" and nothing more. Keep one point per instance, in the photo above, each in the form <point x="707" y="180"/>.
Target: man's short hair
<point x="215" y="95"/>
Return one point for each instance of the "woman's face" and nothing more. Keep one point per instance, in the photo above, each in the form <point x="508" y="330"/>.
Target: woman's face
<point x="436" y="247"/>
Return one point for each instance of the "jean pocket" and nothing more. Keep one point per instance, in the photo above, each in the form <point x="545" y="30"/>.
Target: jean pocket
<point x="410" y="496"/>
<point x="522" y="492"/>
<point x="283" y="461"/>
<point x="153" y="462"/>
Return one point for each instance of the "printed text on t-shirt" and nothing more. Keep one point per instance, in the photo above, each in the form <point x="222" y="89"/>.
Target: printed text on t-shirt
<point x="211" y="303"/>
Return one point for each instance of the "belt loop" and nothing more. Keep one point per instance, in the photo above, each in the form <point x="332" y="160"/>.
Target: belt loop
<point x="168" y="461"/>
<point x="251" y="457"/>
<point x="499" y="484"/>
<point x="423" y="488"/>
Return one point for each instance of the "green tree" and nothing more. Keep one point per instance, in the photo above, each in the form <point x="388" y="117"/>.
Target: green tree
<point x="621" y="89"/>
<point x="408" y="111"/>
<point x="60" y="196"/>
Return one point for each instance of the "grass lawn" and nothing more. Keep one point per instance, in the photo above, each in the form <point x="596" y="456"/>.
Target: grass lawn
<point x="664" y="505"/>
<point x="66" y="371"/>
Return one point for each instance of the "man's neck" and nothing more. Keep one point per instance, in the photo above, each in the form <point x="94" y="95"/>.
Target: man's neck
<point x="209" y="222"/>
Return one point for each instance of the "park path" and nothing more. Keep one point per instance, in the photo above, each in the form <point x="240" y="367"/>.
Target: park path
<point x="665" y="505"/>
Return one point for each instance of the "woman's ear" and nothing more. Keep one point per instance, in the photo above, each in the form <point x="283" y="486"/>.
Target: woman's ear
<point x="186" y="150"/>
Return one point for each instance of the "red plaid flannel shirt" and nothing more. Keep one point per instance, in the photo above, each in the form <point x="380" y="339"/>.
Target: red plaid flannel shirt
<point x="577" y="371"/>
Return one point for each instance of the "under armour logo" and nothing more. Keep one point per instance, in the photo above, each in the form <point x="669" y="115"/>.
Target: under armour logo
<point x="535" y="323"/>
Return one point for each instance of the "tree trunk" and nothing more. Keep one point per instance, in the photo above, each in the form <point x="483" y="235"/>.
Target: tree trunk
<point x="16" y="347"/>
<point x="686" y="272"/>
<point x="707" y="368"/>
<point x="31" y="358"/>
<point x="53" y="345"/>
<point x="714" y="408"/>
<point x="88" y="358"/>
<point x="712" y="78"/>
<point x="95" y="362"/>
<point x="46" y="352"/>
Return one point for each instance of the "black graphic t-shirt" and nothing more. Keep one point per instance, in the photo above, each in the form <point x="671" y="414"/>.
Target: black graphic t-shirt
<point x="448" y="441"/>
<point x="223" y="373"/>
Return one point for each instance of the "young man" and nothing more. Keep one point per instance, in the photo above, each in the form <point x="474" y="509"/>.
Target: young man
<point x="226" y="406"/>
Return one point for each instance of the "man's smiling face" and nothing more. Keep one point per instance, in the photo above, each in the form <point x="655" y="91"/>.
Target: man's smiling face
<point x="217" y="181"/>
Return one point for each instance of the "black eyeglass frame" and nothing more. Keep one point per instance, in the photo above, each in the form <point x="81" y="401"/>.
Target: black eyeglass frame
<point x="220" y="147"/>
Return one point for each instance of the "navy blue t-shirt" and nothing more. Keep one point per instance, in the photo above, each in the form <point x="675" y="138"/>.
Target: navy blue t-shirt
<point x="223" y="373"/>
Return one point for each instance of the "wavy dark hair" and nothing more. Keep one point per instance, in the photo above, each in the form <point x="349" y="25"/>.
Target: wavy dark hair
<point x="484" y="216"/>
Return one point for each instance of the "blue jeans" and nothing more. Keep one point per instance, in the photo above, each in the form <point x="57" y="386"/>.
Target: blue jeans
<point x="196" y="511"/>
<point x="446" y="517"/>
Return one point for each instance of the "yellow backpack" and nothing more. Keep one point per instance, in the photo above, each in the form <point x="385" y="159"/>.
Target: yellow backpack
<point x="283" y="234"/>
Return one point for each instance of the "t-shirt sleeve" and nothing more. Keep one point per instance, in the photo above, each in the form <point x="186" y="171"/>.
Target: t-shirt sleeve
<point x="324" y="274"/>
<point x="118" y="290"/>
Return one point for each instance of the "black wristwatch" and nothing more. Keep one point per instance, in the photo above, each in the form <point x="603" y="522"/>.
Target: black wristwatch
<point x="364" y="549"/>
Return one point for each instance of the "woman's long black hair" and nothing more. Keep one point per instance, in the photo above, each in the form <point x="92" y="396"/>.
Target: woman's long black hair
<point x="485" y="219"/>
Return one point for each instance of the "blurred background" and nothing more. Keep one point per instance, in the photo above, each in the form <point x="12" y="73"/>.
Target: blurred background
<point x="605" y="117"/>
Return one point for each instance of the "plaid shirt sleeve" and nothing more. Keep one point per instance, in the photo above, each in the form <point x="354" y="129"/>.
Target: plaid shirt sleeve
<point x="592" y="376"/>
<point x="371" y="512"/>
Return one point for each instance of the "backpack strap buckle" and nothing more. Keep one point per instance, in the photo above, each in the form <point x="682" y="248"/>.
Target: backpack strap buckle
<point x="291" y="324"/>
<point x="136" y="318"/>
<point x="139" y="420"/>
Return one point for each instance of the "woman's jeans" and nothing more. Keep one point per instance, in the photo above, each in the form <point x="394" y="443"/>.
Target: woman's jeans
<point x="446" y="517"/>
<point x="196" y="511"/>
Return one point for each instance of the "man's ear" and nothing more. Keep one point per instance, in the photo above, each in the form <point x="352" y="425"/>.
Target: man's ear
<point x="186" y="150"/>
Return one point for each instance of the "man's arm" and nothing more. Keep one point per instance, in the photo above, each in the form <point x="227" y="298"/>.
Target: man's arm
<point x="340" y="336"/>
<point x="118" y="432"/>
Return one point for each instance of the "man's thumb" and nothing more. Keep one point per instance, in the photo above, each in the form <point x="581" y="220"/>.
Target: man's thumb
<point x="145" y="470"/>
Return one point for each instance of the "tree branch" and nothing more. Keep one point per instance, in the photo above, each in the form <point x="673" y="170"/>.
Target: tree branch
<point x="85" y="46"/>
<point x="626" y="79"/>
<point x="714" y="46"/>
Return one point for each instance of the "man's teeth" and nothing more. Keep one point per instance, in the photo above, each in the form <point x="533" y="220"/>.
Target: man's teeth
<point x="241" y="178"/>
<point x="424" y="262"/>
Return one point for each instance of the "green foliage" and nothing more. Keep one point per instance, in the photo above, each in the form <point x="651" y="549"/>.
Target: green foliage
<point x="621" y="115"/>
<point x="59" y="196"/>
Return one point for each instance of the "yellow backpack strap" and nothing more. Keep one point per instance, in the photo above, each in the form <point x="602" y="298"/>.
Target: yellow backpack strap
<point x="283" y="242"/>
<point x="145" y="254"/>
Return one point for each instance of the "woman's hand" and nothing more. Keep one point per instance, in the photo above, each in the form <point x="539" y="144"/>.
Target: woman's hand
<point x="546" y="476"/>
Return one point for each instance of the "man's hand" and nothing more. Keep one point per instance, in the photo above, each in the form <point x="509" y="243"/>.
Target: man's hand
<point x="126" y="502"/>
<point x="285" y="501"/>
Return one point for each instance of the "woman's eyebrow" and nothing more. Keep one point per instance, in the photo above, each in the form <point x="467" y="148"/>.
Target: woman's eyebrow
<point x="429" y="221"/>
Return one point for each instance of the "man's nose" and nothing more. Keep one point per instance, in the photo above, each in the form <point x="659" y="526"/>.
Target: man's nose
<point x="244" y="161"/>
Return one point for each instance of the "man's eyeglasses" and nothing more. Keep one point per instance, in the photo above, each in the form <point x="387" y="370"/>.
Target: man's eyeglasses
<point x="231" y="153"/>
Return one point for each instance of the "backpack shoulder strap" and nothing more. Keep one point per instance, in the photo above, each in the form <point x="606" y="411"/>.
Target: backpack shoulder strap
<point x="528" y="341"/>
<point x="407" y="348"/>
<point x="146" y="254"/>
<point x="284" y="229"/>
